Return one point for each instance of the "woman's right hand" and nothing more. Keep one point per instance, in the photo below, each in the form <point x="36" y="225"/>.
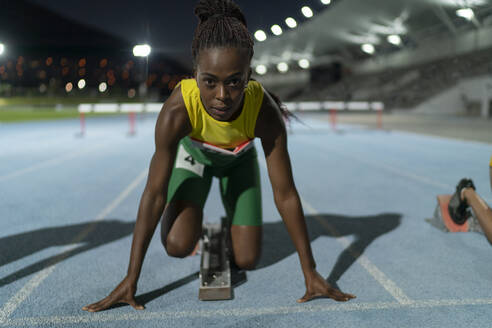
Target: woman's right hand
<point x="123" y="293"/>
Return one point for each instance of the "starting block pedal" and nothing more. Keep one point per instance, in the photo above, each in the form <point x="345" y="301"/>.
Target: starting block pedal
<point x="215" y="269"/>
<point x="443" y="212"/>
<point x="442" y="219"/>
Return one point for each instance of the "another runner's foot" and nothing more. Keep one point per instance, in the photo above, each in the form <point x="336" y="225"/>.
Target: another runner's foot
<point x="457" y="205"/>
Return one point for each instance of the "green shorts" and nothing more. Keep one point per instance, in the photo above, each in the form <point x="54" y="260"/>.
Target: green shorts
<point x="239" y="181"/>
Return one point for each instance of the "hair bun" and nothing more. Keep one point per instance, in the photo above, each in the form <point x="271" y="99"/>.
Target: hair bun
<point x="218" y="9"/>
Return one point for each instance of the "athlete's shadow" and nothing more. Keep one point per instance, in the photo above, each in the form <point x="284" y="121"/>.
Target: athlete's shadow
<point x="83" y="236"/>
<point x="278" y="245"/>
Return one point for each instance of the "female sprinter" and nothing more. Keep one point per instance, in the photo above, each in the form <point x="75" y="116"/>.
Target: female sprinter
<point x="205" y="129"/>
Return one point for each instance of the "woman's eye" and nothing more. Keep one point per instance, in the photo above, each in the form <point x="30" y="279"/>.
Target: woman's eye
<point x="234" y="82"/>
<point x="209" y="82"/>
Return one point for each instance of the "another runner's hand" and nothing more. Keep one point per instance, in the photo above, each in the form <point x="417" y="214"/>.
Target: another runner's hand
<point x="123" y="293"/>
<point x="317" y="287"/>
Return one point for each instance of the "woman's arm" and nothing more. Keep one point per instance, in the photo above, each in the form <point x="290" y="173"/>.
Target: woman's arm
<point x="172" y="125"/>
<point x="271" y="130"/>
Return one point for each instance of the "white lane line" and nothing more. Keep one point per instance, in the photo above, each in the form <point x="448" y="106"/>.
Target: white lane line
<point x="14" y="302"/>
<point x="377" y="274"/>
<point x="239" y="312"/>
<point x="47" y="163"/>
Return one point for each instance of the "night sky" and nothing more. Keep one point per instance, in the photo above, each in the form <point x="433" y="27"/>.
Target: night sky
<point x="168" y="25"/>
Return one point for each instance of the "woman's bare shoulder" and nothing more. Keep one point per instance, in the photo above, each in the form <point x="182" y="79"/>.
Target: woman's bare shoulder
<point x="173" y="122"/>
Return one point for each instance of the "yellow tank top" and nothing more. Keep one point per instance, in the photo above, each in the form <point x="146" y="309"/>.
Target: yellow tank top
<point x="224" y="135"/>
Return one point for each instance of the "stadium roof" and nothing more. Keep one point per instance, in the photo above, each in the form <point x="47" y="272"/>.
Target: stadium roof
<point x="338" y="31"/>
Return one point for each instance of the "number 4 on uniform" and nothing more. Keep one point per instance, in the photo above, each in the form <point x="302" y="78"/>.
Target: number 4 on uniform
<point x="190" y="159"/>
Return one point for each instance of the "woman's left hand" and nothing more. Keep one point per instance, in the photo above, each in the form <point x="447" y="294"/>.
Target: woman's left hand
<point x="318" y="287"/>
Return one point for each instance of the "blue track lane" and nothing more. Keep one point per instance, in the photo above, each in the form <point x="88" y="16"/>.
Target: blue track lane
<point x="68" y="205"/>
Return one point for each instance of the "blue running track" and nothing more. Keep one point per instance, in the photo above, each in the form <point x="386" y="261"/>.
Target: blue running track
<point x="68" y="205"/>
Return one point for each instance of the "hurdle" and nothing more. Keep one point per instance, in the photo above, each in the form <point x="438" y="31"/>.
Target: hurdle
<point x="131" y="109"/>
<point x="336" y="107"/>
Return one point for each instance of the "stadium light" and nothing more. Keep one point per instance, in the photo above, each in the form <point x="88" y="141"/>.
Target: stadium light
<point x="81" y="84"/>
<point x="103" y="87"/>
<point x="68" y="87"/>
<point x="276" y="29"/>
<point x="2" y="48"/>
<point x="368" y="48"/>
<point x="306" y="11"/>
<point x="291" y="22"/>
<point x="261" y="69"/>
<point x="326" y="2"/>
<point x="260" y="35"/>
<point x="304" y="63"/>
<point x="394" y="39"/>
<point x="141" y="50"/>
<point x="282" y="67"/>
<point x="466" y="13"/>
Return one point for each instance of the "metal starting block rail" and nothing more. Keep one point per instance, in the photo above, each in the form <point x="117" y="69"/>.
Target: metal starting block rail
<point x="215" y="269"/>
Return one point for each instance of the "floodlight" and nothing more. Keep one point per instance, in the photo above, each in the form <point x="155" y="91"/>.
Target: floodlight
<point x="81" y="84"/>
<point x="304" y="63"/>
<point x="326" y="2"/>
<point x="261" y="69"/>
<point x="276" y="29"/>
<point x="291" y="22"/>
<point x="2" y="48"/>
<point x="260" y="35"/>
<point x="141" y="50"/>
<point x="103" y="87"/>
<point x="68" y="87"/>
<point x="306" y="11"/>
<point x="466" y="13"/>
<point x="368" y="48"/>
<point x="282" y="67"/>
<point x="394" y="39"/>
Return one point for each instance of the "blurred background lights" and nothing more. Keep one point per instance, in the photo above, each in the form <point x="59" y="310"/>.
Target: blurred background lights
<point x="368" y="48"/>
<point x="306" y="11"/>
<point x="394" y="39"/>
<point x="304" y="63"/>
<point x="68" y="87"/>
<point x="291" y="22"/>
<point x="326" y="2"/>
<point x="260" y="35"/>
<point x="282" y="67"/>
<point x="132" y="93"/>
<point x="2" y="48"/>
<point x="81" y="84"/>
<point x="261" y="69"/>
<point x="141" y="50"/>
<point x="466" y="13"/>
<point x="276" y="29"/>
<point x="43" y="88"/>
<point x="103" y="87"/>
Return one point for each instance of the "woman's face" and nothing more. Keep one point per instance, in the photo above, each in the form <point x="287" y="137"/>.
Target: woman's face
<point x="222" y="74"/>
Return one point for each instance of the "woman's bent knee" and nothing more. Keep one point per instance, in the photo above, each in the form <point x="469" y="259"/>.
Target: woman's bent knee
<point x="246" y="263"/>
<point x="177" y="248"/>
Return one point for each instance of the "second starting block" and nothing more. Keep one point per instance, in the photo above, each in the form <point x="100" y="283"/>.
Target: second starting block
<point x="442" y="219"/>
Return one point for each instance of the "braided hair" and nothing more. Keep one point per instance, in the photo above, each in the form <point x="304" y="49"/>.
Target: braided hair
<point x="221" y="23"/>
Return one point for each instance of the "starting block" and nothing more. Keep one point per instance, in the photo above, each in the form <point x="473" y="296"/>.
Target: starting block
<point x="442" y="220"/>
<point x="215" y="269"/>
